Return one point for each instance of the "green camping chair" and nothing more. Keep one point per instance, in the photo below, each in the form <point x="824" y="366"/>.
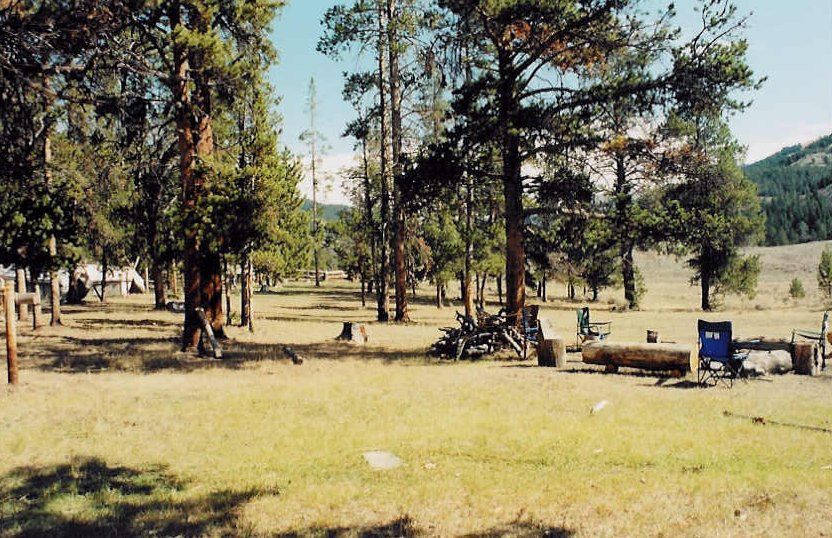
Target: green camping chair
<point x="820" y="337"/>
<point x="588" y="329"/>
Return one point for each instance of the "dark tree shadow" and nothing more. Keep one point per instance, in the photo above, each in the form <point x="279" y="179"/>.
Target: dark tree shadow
<point x="112" y="501"/>
<point x="404" y="527"/>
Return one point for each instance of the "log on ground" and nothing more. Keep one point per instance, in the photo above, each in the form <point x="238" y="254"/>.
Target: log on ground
<point x="670" y="357"/>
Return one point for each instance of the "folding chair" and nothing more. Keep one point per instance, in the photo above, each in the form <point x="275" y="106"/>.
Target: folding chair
<point x="587" y="328"/>
<point x="530" y="327"/>
<point x="820" y="337"/>
<point x="717" y="361"/>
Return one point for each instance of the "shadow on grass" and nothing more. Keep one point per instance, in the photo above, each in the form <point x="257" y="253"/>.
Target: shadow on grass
<point x="404" y="527"/>
<point x="87" y="497"/>
<point x="154" y="354"/>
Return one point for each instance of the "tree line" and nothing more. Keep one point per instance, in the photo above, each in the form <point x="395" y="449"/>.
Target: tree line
<point x="516" y="140"/>
<point x="146" y="129"/>
<point x="541" y="140"/>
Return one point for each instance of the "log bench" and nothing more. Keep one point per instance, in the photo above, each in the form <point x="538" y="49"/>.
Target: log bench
<point x="676" y="358"/>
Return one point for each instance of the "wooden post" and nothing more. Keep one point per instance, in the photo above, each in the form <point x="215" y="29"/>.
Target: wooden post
<point x="20" y="273"/>
<point x="11" y="332"/>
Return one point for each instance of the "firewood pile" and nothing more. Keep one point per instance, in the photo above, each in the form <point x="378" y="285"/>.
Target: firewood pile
<point x="474" y="339"/>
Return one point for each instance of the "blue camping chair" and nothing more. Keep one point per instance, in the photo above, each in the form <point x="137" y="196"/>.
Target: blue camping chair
<point x="531" y="327"/>
<point x="717" y="361"/>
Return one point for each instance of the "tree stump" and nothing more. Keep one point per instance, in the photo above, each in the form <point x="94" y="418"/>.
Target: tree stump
<point x="805" y="358"/>
<point x="353" y="332"/>
<point x="653" y="337"/>
<point x="551" y="348"/>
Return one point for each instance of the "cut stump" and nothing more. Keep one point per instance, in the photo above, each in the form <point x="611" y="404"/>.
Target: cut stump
<point x="353" y="332"/>
<point x="551" y="348"/>
<point x="805" y="357"/>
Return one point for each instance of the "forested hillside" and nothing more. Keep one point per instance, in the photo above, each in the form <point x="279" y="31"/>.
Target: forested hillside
<point x="796" y="186"/>
<point x="328" y="212"/>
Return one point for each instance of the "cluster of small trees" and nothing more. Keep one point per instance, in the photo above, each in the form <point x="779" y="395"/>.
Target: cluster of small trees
<point x="136" y="129"/>
<point x="523" y="140"/>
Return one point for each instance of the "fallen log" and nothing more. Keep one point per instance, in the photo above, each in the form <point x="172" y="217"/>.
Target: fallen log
<point x="665" y="357"/>
<point x="762" y="344"/>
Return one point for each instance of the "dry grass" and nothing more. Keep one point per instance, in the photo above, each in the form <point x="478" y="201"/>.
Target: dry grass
<point x="113" y="432"/>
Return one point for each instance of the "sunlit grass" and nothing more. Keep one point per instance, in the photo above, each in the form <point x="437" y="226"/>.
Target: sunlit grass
<point x="114" y="432"/>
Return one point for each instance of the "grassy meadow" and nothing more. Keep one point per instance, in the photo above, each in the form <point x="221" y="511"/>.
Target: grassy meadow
<point x="113" y="432"/>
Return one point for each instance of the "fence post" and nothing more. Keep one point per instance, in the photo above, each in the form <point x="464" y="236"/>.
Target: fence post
<point x="11" y="332"/>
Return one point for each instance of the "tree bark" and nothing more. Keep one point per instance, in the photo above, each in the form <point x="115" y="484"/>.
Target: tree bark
<point x="512" y="192"/>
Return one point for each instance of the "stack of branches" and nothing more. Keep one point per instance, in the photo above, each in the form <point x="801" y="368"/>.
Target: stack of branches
<point x="474" y="339"/>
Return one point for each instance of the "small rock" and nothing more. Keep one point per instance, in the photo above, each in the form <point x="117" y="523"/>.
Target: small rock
<point x="598" y="407"/>
<point x="379" y="460"/>
<point x="429" y="465"/>
<point x="598" y="450"/>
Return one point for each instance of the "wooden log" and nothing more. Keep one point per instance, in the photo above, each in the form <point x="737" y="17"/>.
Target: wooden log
<point x="551" y="348"/>
<point x="292" y="354"/>
<point x="207" y="331"/>
<point x="762" y="344"/>
<point x="673" y="357"/>
<point x="11" y="332"/>
<point x="805" y="357"/>
<point x="353" y="332"/>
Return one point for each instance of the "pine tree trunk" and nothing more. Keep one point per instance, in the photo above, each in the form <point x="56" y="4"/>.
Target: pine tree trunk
<point x="628" y="274"/>
<point x="105" y="267"/>
<point x="482" y="290"/>
<point x="363" y="291"/>
<point x="383" y="283"/>
<point x="191" y="184"/>
<point x="500" y="288"/>
<point x="159" y="296"/>
<point x="438" y="296"/>
<point x="209" y="259"/>
<point x="400" y="263"/>
<point x="54" y="281"/>
<point x="544" y="298"/>
<point x="705" y="283"/>
<point x="512" y="191"/>
<point x="245" y="291"/>
<point x="227" y="291"/>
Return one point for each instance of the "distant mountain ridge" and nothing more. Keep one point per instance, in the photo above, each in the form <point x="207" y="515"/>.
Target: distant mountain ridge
<point x="328" y="212"/>
<point x="796" y="189"/>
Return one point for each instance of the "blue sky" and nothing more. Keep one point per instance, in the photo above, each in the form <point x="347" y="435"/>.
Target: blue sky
<point x="790" y="42"/>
